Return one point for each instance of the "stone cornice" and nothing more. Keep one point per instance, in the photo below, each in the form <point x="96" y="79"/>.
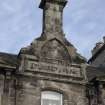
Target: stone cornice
<point x="61" y="2"/>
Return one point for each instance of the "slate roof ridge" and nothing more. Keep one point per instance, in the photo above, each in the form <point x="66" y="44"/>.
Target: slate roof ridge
<point x="8" y="59"/>
<point x="6" y="53"/>
<point x="96" y="54"/>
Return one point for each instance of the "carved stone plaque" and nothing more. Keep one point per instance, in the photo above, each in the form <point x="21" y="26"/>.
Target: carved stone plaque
<point x="73" y="71"/>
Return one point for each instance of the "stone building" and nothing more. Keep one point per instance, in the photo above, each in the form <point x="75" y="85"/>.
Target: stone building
<point x="50" y="71"/>
<point x="98" y="58"/>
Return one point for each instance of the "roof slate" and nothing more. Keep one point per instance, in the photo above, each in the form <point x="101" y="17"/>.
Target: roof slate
<point x="94" y="72"/>
<point x="96" y="54"/>
<point x="8" y="59"/>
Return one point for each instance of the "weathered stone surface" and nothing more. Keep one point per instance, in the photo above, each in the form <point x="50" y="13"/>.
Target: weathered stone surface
<point x="30" y="91"/>
<point x="50" y="63"/>
<point x="100" y="60"/>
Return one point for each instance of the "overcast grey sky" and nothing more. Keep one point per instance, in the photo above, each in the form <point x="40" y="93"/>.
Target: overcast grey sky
<point x="21" y="22"/>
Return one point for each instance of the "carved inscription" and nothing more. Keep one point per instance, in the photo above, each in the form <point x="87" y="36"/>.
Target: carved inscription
<point x="56" y="61"/>
<point x="53" y="68"/>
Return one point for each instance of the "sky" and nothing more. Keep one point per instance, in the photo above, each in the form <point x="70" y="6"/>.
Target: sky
<point x="21" y="23"/>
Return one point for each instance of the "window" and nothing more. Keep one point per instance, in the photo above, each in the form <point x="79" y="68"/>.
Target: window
<point x="51" y="98"/>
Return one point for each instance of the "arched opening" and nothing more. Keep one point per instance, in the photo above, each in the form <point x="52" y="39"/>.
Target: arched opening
<point x="51" y="98"/>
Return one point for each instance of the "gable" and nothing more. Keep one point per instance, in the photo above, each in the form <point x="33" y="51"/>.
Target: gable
<point x="56" y="50"/>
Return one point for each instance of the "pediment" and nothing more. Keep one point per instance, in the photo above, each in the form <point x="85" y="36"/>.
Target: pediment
<point x="55" y="49"/>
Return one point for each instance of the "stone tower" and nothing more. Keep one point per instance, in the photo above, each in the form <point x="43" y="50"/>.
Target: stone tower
<point x="50" y="67"/>
<point x="50" y="71"/>
<point x="52" y="17"/>
<point x="53" y="36"/>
